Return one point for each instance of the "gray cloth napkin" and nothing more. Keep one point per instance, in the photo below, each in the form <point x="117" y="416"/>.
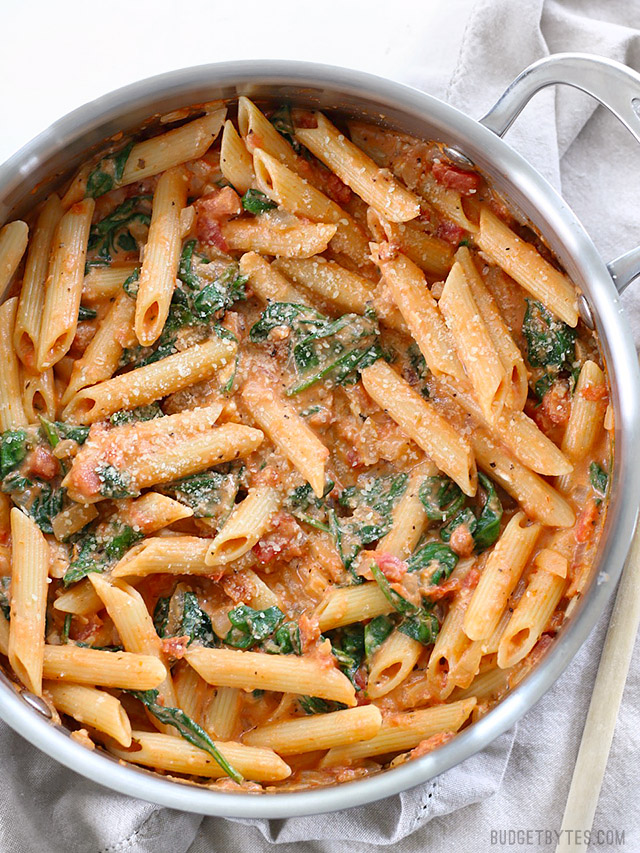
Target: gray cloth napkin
<point x="466" y="54"/>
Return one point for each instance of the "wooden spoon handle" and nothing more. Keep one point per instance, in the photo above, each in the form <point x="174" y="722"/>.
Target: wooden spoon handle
<point x="603" y="710"/>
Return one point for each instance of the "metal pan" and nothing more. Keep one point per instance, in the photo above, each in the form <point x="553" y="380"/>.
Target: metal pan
<point x="54" y="155"/>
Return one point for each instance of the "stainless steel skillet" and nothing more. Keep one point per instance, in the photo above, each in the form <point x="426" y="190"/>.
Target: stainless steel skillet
<point x="56" y="152"/>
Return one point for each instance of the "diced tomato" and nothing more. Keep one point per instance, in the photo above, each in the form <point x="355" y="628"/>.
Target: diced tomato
<point x="337" y="190"/>
<point x="435" y="593"/>
<point x="594" y="392"/>
<point x="175" y="647"/>
<point x="585" y="525"/>
<point x="305" y="118"/>
<point x="309" y="631"/>
<point x="465" y="183"/>
<point x="462" y="541"/>
<point x="393" y="568"/>
<point x="283" y="541"/>
<point x="209" y="231"/>
<point x="41" y="463"/>
<point x="450" y="232"/>
<point x="556" y="403"/>
<point x="89" y="629"/>
<point x="429" y="744"/>
<point x="213" y="209"/>
<point x="353" y="458"/>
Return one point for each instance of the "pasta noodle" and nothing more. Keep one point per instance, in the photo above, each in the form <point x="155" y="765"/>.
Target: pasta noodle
<point x="279" y="416"/>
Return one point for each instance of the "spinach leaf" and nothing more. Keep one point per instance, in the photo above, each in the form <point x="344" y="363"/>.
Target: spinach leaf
<point x="465" y="516"/>
<point x="422" y="626"/>
<point x="375" y="633"/>
<point x="186" y="728"/>
<point x="130" y="284"/>
<point x="185" y="268"/>
<point x="220" y="294"/>
<point x="283" y="123"/>
<point x="372" y="503"/>
<point x="5" y="604"/>
<point x="114" y="483"/>
<point x="108" y="172"/>
<point x="257" y="202"/>
<point x="141" y="413"/>
<point x="314" y="705"/>
<point x="285" y="640"/>
<point x="440" y="497"/>
<point x="599" y="479"/>
<point x="13" y="449"/>
<point x="112" y="233"/>
<point x="196" y="623"/>
<point x="301" y="319"/>
<point x="550" y="342"/>
<point x="96" y="552"/>
<point x="418" y="368"/>
<point x="434" y="553"/>
<point x="85" y="313"/>
<point x="57" y="431"/>
<point x="484" y="526"/>
<point x="488" y="526"/>
<point x="306" y="507"/>
<point x="347" y="645"/>
<point x="250" y="626"/>
<point x="161" y="615"/>
<point x="397" y="601"/>
<point x="336" y="351"/>
<point x="210" y="494"/>
<point x="46" y="505"/>
<point x="64" y="636"/>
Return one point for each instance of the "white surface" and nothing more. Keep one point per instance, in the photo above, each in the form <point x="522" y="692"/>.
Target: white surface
<point x="55" y="57"/>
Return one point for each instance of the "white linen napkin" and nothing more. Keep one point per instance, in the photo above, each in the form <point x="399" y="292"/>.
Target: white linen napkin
<point x="466" y="54"/>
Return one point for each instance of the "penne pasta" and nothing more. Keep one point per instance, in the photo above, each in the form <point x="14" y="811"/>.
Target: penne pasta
<point x="31" y="302"/>
<point x="282" y="673"/>
<point x="404" y="731"/>
<point x="125" y="670"/>
<point x="474" y="346"/>
<point x="13" y="242"/>
<point x="530" y="616"/>
<point x="420" y="420"/>
<point x="266" y="282"/>
<point x="298" y="196"/>
<point x="523" y="263"/>
<point x="161" y="256"/>
<point x="499" y="578"/>
<point x="420" y="311"/>
<point x="30" y="557"/>
<point x="505" y="346"/>
<point x="236" y="164"/>
<point x="295" y="440"/>
<point x="538" y="499"/>
<point x="91" y="707"/>
<point x="168" y="753"/>
<point x="336" y="285"/>
<point x="321" y="731"/>
<point x="289" y="239"/>
<point x="64" y="284"/>
<point x="149" y="383"/>
<point x="12" y="412"/>
<point x="246" y="524"/>
<point x="102" y="284"/>
<point x="101" y="358"/>
<point x="374" y="185"/>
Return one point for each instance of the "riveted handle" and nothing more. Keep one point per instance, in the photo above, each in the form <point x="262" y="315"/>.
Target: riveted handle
<point x="614" y="85"/>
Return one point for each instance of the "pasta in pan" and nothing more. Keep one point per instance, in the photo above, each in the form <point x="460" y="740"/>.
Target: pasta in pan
<point x="303" y="450"/>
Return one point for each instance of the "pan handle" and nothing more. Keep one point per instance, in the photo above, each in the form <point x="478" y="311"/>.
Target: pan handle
<point x="613" y="84"/>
